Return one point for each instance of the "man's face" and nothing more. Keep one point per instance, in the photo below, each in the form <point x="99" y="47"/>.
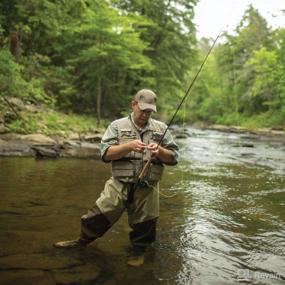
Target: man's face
<point x="141" y="117"/>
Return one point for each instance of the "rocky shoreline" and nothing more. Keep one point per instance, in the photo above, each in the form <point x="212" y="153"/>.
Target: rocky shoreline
<point x="83" y="145"/>
<point x="42" y="146"/>
<point x="276" y="131"/>
<point x="88" y="145"/>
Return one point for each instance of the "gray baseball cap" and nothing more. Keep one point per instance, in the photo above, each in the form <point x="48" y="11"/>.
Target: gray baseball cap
<point x="146" y="99"/>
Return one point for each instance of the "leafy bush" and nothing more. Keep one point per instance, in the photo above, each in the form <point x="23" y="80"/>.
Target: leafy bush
<point x="11" y="80"/>
<point x="24" y="126"/>
<point x="13" y="83"/>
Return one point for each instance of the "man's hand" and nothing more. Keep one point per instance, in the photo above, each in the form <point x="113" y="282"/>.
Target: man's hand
<point x="154" y="149"/>
<point x="137" y="146"/>
<point x="115" y="152"/>
<point x="165" y="155"/>
<point x="118" y="151"/>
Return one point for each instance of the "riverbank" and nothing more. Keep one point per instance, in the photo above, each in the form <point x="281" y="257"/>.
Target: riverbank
<point x="275" y="131"/>
<point x="43" y="146"/>
<point x="28" y="129"/>
<point x="87" y="145"/>
<point x="31" y="130"/>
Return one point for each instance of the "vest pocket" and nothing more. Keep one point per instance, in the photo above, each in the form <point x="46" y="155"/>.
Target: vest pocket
<point x="127" y="135"/>
<point x="155" y="172"/>
<point x="122" y="169"/>
<point x="156" y="136"/>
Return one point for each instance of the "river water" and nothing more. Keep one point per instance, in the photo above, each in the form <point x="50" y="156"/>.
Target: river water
<point x="222" y="218"/>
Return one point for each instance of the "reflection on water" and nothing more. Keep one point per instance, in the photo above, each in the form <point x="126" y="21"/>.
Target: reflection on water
<point x="224" y="222"/>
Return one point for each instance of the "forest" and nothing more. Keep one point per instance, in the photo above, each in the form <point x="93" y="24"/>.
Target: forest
<point x="87" y="58"/>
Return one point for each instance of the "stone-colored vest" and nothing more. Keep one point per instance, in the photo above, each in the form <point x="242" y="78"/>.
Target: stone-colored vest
<point x="128" y="168"/>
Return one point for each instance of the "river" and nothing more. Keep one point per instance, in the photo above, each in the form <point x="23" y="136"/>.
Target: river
<point x="222" y="218"/>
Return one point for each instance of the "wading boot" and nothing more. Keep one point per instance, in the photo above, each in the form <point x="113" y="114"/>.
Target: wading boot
<point x="77" y="243"/>
<point x="136" y="260"/>
<point x="136" y="257"/>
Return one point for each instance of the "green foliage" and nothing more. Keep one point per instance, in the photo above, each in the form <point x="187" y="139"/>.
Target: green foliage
<point x="11" y="80"/>
<point x="24" y="126"/>
<point x="267" y="74"/>
<point x="171" y="38"/>
<point x="52" y="123"/>
<point x="244" y="82"/>
<point x="230" y="119"/>
<point x="113" y="57"/>
<point x="13" y="83"/>
<point x="91" y="56"/>
<point x="58" y="123"/>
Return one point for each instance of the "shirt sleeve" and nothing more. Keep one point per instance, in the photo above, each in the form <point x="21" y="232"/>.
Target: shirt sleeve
<point x="109" y="138"/>
<point x="169" y="143"/>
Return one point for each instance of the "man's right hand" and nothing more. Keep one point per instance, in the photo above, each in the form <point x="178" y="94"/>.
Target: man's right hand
<point x="115" y="152"/>
<point x="137" y="146"/>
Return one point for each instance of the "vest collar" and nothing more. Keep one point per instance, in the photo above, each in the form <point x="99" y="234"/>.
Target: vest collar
<point x="140" y="130"/>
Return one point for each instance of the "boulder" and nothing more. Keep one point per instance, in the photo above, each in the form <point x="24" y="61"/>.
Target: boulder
<point x="227" y="129"/>
<point x="82" y="150"/>
<point x="44" y="152"/>
<point x="262" y="131"/>
<point x="278" y="133"/>
<point x="17" y="103"/>
<point x="14" y="148"/>
<point x="38" y="139"/>
<point x="92" y="138"/>
<point x="74" y="137"/>
<point x="10" y="137"/>
<point x="67" y="144"/>
<point x="278" y="128"/>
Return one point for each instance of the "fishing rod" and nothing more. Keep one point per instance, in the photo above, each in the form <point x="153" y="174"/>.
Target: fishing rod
<point x="146" y="166"/>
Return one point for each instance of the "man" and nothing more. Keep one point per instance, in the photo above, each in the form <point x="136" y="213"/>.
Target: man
<point x="128" y="144"/>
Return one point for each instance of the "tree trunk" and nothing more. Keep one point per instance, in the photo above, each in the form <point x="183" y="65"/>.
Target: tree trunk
<point x="15" y="44"/>
<point x="99" y="99"/>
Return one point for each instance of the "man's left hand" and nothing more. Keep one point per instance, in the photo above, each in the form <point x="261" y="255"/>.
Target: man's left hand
<point x="154" y="149"/>
<point x="163" y="154"/>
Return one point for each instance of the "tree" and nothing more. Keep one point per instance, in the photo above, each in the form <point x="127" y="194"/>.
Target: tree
<point x="267" y="73"/>
<point x="12" y="82"/>
<point x="172" y="43"/>
<point x="251" y="34"/>
<point x="279" y="41"/>
<point x="244" y="77"/>
<point x="34" y="32"/>
<point x="111" y="54"/>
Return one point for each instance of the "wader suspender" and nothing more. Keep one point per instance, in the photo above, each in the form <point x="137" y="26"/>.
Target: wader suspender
<point x="131" y="187"/>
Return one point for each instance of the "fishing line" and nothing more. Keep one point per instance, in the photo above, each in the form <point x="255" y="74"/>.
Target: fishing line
<point x="184" y="135"/>
<point x="224" y="28"/>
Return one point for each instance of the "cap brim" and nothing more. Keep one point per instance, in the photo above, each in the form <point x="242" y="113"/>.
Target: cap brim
<point x="146" y="106"/>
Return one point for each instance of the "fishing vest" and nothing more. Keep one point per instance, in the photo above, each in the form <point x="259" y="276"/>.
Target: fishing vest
<point x="128" y="168"/>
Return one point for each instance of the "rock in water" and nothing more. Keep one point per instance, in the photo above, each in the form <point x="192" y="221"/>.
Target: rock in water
<point x="137" y="260"/>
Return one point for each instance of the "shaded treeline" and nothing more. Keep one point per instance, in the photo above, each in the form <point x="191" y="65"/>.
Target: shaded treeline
<point x="91" y="56"/>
